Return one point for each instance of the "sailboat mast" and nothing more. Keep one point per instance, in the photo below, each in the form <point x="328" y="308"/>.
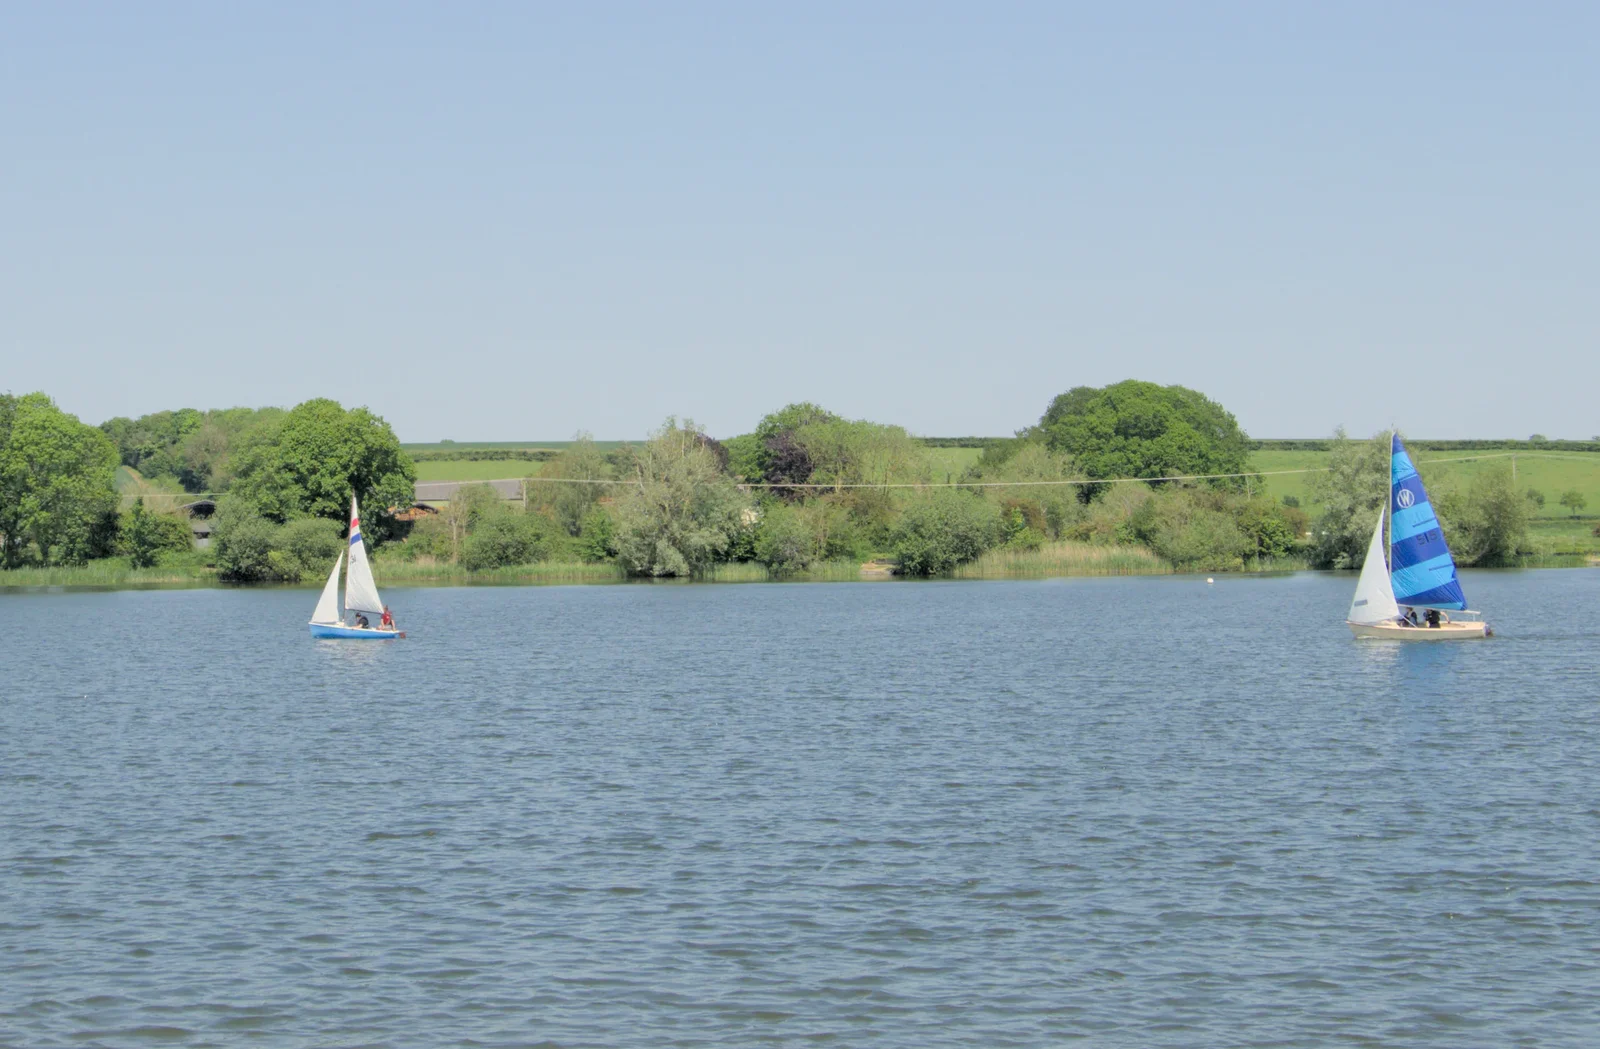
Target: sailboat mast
<point x="1388" y="519"/>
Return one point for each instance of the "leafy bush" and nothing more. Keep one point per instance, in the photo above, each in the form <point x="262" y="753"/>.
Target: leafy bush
<point x="943" y="529"/>
<point x="784" y="540"/>
<point x="243" y="541"/>
<point x="507" y="538"/>
<point x="839" y="534"/>
<point x="1193" y="530"/>
<point x="430" y="536"/>
<point x="1271" y="529"/>
<point x="597" y="539"/>
<point x="305" y="547"/>
<point x="144" y="536"/>
<point x="1492" y="523"/>
<point x="1018" y="530"/>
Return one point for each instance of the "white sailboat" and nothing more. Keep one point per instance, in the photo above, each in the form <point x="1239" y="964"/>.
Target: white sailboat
<point x="360" y="593"/>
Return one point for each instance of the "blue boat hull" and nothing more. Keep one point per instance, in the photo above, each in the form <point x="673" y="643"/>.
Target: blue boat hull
<point x="353" y="633"/>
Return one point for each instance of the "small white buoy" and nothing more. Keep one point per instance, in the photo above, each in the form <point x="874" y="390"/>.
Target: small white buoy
<point x="1209" y="580"/>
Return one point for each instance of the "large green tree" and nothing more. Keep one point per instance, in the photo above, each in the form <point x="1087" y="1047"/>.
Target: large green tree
<point x="1140" y="429"/>
<point x="309" y="464"/>
<point x="857" y="451"/>
<point x="1492" y="523"/>
<point x="57" y="484"/>
<point x="1352" y="491"/>
<point x="773" y="452"/>
<point x="681" y="510"/>
<point x="567" y="487"/>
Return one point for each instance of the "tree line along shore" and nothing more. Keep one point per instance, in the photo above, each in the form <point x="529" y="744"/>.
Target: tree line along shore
<point x="1133" y="477"/>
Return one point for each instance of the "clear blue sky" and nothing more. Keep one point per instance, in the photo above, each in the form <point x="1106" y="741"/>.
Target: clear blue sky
<point x="513" y="221"/>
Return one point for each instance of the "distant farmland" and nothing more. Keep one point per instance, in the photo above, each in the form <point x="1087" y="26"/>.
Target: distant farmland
<point x="1551" y="472"/>
<point x="1561" y="472"/>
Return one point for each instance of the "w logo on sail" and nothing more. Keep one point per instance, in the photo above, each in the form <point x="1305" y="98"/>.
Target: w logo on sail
<point x="1405" y="497"/>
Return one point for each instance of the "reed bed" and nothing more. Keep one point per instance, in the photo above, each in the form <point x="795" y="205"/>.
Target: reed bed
<point x="1063" y="558"/>
<point x="751" y="572"/>
<point x="110" y="572"/>
<point x="424" y="572"/>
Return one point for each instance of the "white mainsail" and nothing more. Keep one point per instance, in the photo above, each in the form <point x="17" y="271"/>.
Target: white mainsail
<point x="327" y="612"/>
<point x="360" y="592"/>
<point x="1374" y="600"/>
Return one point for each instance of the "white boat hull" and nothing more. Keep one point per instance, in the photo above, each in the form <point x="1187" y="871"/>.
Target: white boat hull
<point x="1464" y="631"/>
<point x="353" y="633"/>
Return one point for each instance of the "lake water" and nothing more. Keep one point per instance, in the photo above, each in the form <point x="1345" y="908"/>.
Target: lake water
<point x="1139" y="812"/>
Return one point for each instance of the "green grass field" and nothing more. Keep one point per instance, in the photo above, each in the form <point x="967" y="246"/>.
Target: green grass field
<point x="945" y="462"/>
<point x="470" y="470"/>
<point x="496" y="446"/>
<point x="952" y="462"/>
<point x="1551" y="475"/>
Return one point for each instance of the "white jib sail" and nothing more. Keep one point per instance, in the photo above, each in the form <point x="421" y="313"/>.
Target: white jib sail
<point x="1374" y="600"/>
<point x="360" y="592"/>
<point x="328" y="604"/>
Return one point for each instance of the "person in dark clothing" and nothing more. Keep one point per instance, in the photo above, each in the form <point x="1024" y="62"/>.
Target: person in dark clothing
<point x="361" y="621"/>
<point x="1433" y="617"/>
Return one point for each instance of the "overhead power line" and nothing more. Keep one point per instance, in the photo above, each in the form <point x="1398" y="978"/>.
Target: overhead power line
<point x="811" y="486"/>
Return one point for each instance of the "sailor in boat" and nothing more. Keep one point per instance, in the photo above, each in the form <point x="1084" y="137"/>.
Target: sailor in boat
<point x="361" y="622"/>
<point x="387" y="621"/>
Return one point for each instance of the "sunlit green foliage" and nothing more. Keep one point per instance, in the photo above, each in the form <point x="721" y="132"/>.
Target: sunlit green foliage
<point x="784" y="540"/>
<point x="242" y="542"/>
<point x="680" y="510"/>
<point x="559" y="490"/>
<point x="1352" y="491"/>
<point x="944" y="528"/>
<point x="317" y="457"/>
<point x="57" y="485"/>
<point x="144" y="536"/>
<point x="1140" y="429"/>
<point x="193" y="448"/>
<point x="1489" y="525"/>
<point x="509" y="537"/>
<point x="305" y="548"/>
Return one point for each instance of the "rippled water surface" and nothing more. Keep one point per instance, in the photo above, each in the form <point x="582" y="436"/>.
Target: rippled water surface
<point x="1137" y="812"/>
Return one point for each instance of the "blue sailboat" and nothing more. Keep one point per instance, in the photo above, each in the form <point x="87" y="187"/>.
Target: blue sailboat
<point x="360" y="593"/>
<point x="1410" y="594"/>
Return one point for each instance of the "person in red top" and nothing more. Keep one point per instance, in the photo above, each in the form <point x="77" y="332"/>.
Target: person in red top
<point x="387" y="622"/>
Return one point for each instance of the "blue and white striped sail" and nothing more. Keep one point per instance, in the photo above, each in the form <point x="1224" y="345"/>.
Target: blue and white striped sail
<point x="1421" y="569"/>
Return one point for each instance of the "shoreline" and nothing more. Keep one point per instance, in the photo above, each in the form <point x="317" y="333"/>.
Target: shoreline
<point x="91" y="577"/>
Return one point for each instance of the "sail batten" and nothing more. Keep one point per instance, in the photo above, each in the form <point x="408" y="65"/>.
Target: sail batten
<point x="1421" y="571"/>
<point x="360" y="591"/>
